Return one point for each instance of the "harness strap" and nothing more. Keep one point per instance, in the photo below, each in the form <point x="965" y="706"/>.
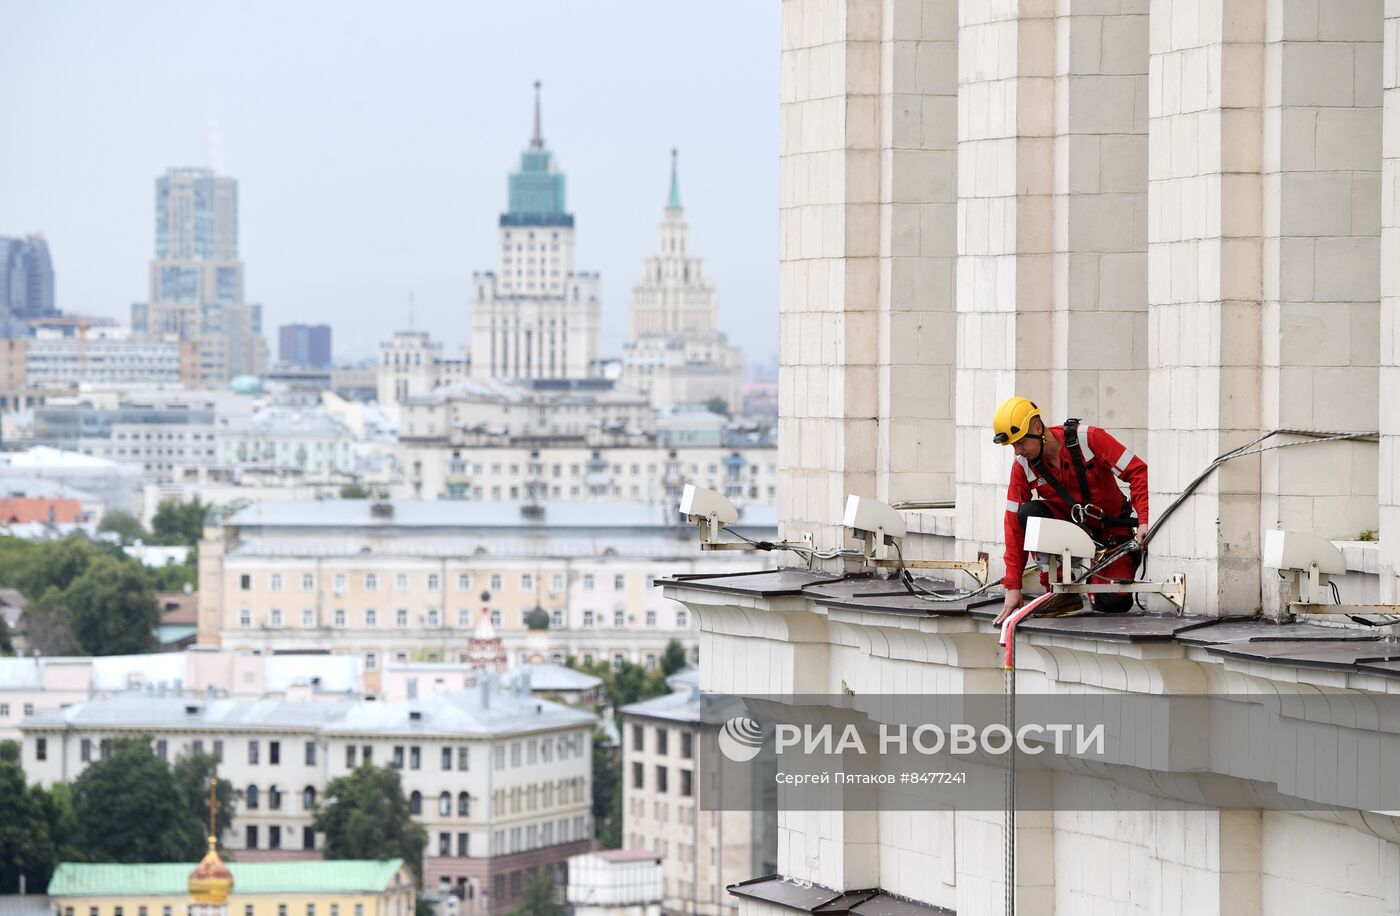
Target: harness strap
<point x="1084" y="507"/>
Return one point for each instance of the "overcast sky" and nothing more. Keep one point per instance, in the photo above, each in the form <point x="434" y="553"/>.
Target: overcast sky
<point x="371" y="143"/>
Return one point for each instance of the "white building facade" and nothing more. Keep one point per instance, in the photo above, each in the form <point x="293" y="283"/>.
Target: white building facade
<point x="500" y="781"/>
<point x="1171" y="219"/>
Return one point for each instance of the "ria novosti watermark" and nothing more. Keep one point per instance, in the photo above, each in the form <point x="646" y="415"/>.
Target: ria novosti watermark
<point x="1073" y="752"/>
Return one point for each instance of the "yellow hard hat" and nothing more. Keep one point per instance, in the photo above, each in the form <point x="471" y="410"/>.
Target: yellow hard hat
<point x="1012" y="420"/>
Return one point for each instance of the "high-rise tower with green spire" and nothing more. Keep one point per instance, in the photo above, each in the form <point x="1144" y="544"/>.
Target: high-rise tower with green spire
<point x="535" y="317"/>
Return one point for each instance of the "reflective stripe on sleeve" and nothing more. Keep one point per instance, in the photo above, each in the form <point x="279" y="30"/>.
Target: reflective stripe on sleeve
<point x="1012" y="506"/>
<point x="1123" y="461"/>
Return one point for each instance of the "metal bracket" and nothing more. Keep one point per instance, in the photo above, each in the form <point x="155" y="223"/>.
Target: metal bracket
<point x="977" y="569"/>
<point x="1172" y="589"/>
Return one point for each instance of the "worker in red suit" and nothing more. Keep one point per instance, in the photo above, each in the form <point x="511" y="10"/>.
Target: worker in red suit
<point x="1070" y="472"/>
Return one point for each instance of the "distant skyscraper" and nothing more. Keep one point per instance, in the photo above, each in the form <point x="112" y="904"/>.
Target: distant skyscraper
<point x="307" y="345"/>
<point x="196" y="278"/>
<point x="676" y="354"/>
<point x="535" y="317"/>
<point x="26" y="277"/>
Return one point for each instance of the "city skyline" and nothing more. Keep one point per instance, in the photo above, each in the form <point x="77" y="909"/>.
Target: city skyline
<point x="394" y="186"/>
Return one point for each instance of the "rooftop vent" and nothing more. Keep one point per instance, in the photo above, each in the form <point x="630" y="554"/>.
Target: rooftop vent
<point x="415" y="715"/>
<point x="381" y="510"/>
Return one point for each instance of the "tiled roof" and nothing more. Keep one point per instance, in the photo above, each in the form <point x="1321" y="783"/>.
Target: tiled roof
<point x="84" y="879"/>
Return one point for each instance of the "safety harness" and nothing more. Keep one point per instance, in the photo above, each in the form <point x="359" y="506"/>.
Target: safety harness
<point x="1082" y="511"/>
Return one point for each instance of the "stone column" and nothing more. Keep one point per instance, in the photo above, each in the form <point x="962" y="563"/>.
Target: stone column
<point x="1006" y="128"/>
<point x="1321" y="259"/>
<point x="1099" y="298"/>
<point x="1389" y="327"/>
<point x="829" y="265"/>
<point x="918" y="249"/>
<point x="867" y="217"/>
<point x="1204" y="133"/>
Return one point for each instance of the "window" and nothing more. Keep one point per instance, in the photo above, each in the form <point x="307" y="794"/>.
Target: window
<point x="444" y="844"/>
<point x="371" y="618"/>
<point x="619" y="620"/>
<point x="250" y="841"/>
<point x="661" y="741"/>
<point x="401" y="618"/>
<point x="339" y="618"/>
<point x="495" y="582"/>
<point x="556" y="619"/>
<point x="588" y="582"/>
<point x="339" y="583"/>
<point x="275" y="618"/>
<point x="401" y="582"/>
<point x="415" y="802"/>
<point x="619" y="582"/>
<point x="447" y="758"/>
<point x="308" y="582"/>
<point x="371" y="582"/>
<point x="638" y="741"/>
<point x="274" y="798"/>
<point x="556" y="582"/>
<point x="588" y="618"/>
<point x="434" y="582"/>
<point x="219" y="750"/>
<point x="371" y="661"/>
<point x="464" y="581"/>
<point x="308" y="799"/>
<point x="464" y="805"/>
<point x="464" y="618"/>
<point x="687" y="788"/>
<point x="245" y="582"/>
<point x="434" y="618"/>
<point x="274" y="837"/>
<point x="276" y="584"/>
<point x="85" y="752"/>
<point x="274" y="752"/>
<point x="162" y="748"/>
<point x="398" y="756"/>
<point x="250" y="798"/>
<point x="245" y="617"/>
<point x="41" y="749"/>
<point x="462" y="847"/>
<point x="311" y="753"/>
<point x="463" y="758"/>
<point x="687" y="745"/>
<point x="252" y="752"/>
<point x="651" y="619"/>
<point x="415" y="757"/>
<point x="527" y="582"/>
<point x="661" y="779"/>
<point x="682" y="621"/>
<point x="445" y="804"/>
<point x="308" y="617"/>
<point x="638" y="775"/>
<point x="308" y="841"/>
<point x="349" y="756"/>
<point x="495" y="617"/>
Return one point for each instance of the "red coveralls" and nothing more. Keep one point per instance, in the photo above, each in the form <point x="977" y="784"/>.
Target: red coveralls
<point x="1106" y="460"/>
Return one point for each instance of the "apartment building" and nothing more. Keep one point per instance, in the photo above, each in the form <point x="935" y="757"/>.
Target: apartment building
<point x="500" y="780"/>
<point x="703" y="847"/>
<point x="406" y="581"/>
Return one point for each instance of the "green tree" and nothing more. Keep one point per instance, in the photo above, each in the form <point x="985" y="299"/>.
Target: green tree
<point x="47" y="627"/>
<point x="179" y="523"/>
<point x="63" y="823"/>
<point x="191" y="772"/>
<point x="354" y="491"/>
<point x="673" y="657"/>
<point x="7" y="646"/>
<point x="607" y="792"/>
<point x="541" y="896"/>
<point x="112" y="608"/>
<point x="365" y="816"/>
<point x="128" y="808"/>
<point x="26" y="846"/>
<point x="718" y="405"/>
<point x="124" y="525"/>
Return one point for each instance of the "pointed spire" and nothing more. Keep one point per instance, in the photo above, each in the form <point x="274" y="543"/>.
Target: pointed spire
<point x="675" y="201"/>
<point x="537" y="141"/>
